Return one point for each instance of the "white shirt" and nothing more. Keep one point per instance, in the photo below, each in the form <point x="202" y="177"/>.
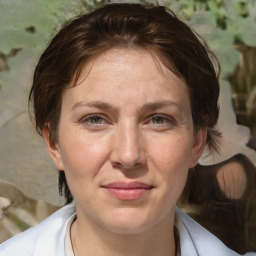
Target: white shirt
<point x="68" y="244"/>
<point x="48" y="238"/>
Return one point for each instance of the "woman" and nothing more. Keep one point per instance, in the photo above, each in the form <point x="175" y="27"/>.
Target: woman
<point x="126" y="99"/>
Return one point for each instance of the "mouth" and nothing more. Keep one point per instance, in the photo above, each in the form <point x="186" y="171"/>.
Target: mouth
<point x="128" y="191"/>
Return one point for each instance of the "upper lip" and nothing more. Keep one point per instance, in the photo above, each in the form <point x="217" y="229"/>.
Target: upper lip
<point x="128" y="185"/>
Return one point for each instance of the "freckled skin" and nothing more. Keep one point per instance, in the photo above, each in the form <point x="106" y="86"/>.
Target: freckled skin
<point x="128" y="119"/>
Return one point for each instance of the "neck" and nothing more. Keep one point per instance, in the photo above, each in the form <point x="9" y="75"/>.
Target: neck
<point x="91" y="239"/>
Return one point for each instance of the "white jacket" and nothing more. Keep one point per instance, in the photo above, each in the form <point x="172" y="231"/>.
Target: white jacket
<point x="47" y="239"/>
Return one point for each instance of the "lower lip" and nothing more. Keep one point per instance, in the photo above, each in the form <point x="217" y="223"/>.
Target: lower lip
<point x="127" y="194"/>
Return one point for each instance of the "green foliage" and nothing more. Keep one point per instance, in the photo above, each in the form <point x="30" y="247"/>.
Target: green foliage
<point x="30" y="23"/>
<point x="222" y="23"/>
<point x="91" y="4"/>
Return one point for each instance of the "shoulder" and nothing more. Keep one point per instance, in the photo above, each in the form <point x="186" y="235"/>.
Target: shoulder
<point x="197" y="241"/>
<point x="43" y="239"/>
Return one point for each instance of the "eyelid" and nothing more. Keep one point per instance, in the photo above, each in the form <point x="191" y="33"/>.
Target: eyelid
<point x="164" y="116"/>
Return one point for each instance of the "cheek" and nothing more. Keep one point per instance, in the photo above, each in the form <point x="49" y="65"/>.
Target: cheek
<point x="83" y="155"/>
<point x="171" y="154"/>
<point x="170" y="162"/>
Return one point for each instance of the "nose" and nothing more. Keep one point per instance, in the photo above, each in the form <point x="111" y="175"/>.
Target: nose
<point x="128" y="147"/>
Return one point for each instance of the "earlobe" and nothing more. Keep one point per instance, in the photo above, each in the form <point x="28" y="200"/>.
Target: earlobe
<point x="198" y="146"/>
<point x="53" y="148"/>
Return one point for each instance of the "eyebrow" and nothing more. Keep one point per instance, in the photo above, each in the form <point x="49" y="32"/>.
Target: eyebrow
<point x="95" y="104"/>
<point x="146" y="107"/>
<point x="160" y="104"/>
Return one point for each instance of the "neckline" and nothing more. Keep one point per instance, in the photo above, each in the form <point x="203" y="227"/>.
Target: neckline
<point x="70" y="249"/>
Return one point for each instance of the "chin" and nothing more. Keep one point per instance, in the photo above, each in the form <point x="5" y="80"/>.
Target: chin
<point x="128" y="222"/>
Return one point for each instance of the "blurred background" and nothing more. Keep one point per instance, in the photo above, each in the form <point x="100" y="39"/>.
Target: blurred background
<point x="221" y="191"/>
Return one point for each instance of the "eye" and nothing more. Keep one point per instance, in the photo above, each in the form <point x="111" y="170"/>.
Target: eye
<point x="93" y="120"/>
<point x="159" y="120"/>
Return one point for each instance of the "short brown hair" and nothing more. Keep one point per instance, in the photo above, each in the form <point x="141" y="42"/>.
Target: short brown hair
<point x="153" y="28"/>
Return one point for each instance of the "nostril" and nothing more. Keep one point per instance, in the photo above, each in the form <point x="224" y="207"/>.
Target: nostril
<point x="125" y="166"/>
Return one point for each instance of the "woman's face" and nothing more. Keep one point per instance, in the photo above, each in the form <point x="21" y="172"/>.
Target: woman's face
<point x="126" y="141"/>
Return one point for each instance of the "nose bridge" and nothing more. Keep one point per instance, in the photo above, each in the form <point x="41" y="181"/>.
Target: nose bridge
<point x="128" y="147"/>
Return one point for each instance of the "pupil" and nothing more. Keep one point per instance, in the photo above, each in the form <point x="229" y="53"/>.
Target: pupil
<point x="158" y="120"/>
<point x="95" y="119"/>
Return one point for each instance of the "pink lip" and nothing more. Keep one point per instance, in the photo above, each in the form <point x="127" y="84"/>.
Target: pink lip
<point x="128" y="191"/>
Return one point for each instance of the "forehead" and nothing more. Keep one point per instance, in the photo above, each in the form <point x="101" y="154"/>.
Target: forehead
<point x="115" y="55"/>
<point x="127" y="74"/>
<point x="121" y="58"/>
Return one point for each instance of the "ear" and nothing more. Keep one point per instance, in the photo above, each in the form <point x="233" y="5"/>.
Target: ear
<point x="198" y="146"/>
<point x="53" y="148"/>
